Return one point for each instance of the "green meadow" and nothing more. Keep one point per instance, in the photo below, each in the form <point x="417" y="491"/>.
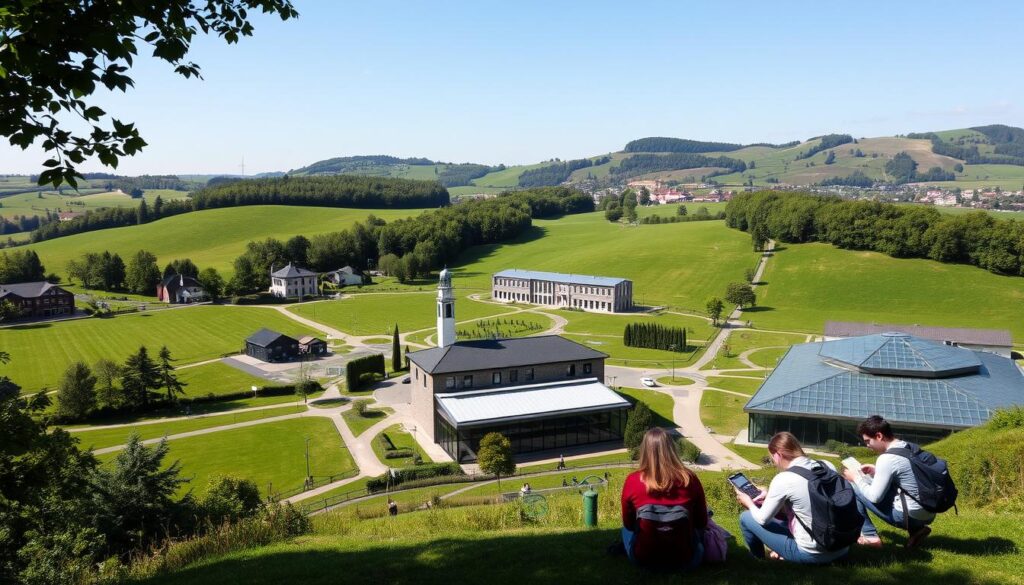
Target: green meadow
<point x="216" y="378"/>
<point x="809" y="284"/>
<point x="272" y="454"/>
<point x="211" y="238"/>
<point x="92" y="199"/>
<point x="41" y="352"/>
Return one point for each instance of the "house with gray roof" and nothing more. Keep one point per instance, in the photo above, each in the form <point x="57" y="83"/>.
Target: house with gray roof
<point x="271" y="346"/>
<point x="926" y="389"/>
<point x="543" y="393"/>
<point x="998" y="341"/>
<point x="603" y="294"/>
<point x="38" y="299"/>
<point x="292" y="282"/>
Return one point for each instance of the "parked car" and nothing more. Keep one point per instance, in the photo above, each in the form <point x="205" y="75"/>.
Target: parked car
<point x="649" y="382"/>
<point x="405" y="380"/>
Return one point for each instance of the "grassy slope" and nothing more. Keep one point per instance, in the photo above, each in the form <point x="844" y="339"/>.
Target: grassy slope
<point x="33" y="204"/>
<point x="461" y="544"/>
<point x="40" y="353"/>
<point x="667" y="263"/>
<point x="212" y="238"/>
<point x="661" y="404"/>
<point x="812" y="283"/>
<point x="271" y="453"/>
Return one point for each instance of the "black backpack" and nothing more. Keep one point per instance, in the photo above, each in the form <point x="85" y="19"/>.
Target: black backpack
<point x="936" y="491"/>
<point x="664" y="536"/>
<point x="835" y="520"/>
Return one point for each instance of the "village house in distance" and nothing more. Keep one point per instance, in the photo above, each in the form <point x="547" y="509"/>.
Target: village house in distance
<point x="292" y="282"/>
<point x="542" y="392"/>
<point x="603" y="294"/>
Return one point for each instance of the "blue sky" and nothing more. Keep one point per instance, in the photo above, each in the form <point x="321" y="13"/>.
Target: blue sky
<point x="521" y="82"/>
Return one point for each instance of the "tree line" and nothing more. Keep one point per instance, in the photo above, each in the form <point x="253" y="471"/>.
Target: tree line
<point x="557" y="173"/>
<point x="682" y="216"/>
<point x="140" y="275"/>
<point x="463" y="174"/>
<point x="901" y="231"/>
<point x="21" y="266"/>
<point x="681" y="145"/>
<point x="827" y="141"/>
<point x="1010" y="152"/>
<point x="112" y="217"/>
<point x="328" y="191"/>
<point x="655" y="336"/>
<point x="639" y="164"/>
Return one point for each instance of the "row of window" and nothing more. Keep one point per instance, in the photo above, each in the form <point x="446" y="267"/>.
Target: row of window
<point x="513" y="376"/>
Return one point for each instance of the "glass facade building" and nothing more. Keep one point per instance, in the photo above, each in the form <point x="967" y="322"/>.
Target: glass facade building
<point x="814" y="432"/>
<point x="532" y="435"/>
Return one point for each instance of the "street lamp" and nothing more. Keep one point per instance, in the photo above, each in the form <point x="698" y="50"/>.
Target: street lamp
<point x="309" y="476"/>
<point x="672" y="348"/>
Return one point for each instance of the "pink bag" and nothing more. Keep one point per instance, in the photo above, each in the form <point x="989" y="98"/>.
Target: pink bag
<point x="715" y="543"/>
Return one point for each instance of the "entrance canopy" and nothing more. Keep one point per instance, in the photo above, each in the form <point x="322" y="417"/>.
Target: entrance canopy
<point x="521" y="403"/>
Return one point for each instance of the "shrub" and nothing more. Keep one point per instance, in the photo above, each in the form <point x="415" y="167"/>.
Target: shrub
<point x="1011" y="418"/>
<point x="229" y="499"/>
<point x="840" y="448"/>
<point x="399" y="454"/>
<point x="688" y="452"/>
<point x="637" y="423"/>
<point x="356" y="371"/>
<point x="361" y="407"/>
<point x="409" y="474"/>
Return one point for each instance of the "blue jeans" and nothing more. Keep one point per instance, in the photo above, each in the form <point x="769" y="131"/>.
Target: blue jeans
<point x="776" y="536"/>
<point x="885" y="510"/>
<point x="629" y="539"/>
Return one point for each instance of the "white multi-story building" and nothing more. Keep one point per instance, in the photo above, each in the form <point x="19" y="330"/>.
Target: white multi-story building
<point x="292" y="282"/>
<point x="590" y="293"/>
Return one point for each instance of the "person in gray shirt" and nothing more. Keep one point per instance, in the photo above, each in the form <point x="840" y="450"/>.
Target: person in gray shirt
<point x="878" y="487"/>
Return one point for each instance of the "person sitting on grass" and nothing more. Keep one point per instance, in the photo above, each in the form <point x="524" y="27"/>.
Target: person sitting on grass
<point x="888" y="488"/>
<point x="664" y="511"/>
<point x="789" y="535"/>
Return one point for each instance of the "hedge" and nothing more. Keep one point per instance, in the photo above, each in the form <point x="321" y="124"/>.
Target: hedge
<point x="356" y="371"/>
<point x="397" y="477"/>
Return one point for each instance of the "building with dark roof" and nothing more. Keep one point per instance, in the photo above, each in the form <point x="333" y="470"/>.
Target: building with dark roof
<point x="38" y="299"/>
<point x="178" y="288"/>
<point x="998" y="341"/>
<point x="310" y="345"/>
<point x="541" y="392"/>
<point x="578" y="291"/>
<point x="926" y="389"/>
<point x="292" y="282"/>
<point x="271" y="346"/>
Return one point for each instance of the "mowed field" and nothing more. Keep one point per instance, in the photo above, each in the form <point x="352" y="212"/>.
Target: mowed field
<point x="39" y="203"/>
<point x="211" y="238"/>
<point x="809" y="284"/>
<point x="41" y="352"/>
<point x="678" y="264"/>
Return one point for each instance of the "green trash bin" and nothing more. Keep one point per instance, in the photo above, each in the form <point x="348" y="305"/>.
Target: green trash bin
<point x="590" y="508"/>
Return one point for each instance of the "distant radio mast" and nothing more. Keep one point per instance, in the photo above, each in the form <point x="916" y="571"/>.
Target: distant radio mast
<point x="242" y="166"/>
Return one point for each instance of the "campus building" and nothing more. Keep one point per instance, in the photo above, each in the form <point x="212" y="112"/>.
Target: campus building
<point x="589" y="293"/>
<point x="926" y="389"/>
<point x="542" y="393"/>
<point x="271" y="346"/>
<point x="997" y="341"/>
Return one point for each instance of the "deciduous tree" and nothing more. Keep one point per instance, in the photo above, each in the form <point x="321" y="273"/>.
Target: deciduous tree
<point x="495" y="456"/>
<point x="76" y="394"/>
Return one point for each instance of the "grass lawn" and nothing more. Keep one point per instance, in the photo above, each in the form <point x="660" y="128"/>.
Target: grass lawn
<point x="622" y="457"/>
<point x="211" y="238"/>
<point x="747" y="339"/>
<point x="217" y="378"/>
<point x="668" y="263"/>
<point x="697" y="328"/>
<point x="723" y="413"/>
<point x="741" y="385"/>
<point x="619" y="354"/>
<point x="661" y="404"/>
<point x="377" y="314"/>
<point x="442" y="545"/>
<point x="512" y="484"/>
<point x="677" y="381"/>
<point x="359" y="424"/>
<point x="401" y="440"/>
<point x="518" y="325"/>
<point x="812" y="283"/>
<point x="41" y="352"/>
<point x="271" y="454"/>
<point x="100" y="439"/>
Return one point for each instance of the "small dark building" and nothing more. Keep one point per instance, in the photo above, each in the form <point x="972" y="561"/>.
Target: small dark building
<point x="38" y="299"/>
<point x="271" y="346"/>
<point x="310" y="345"/>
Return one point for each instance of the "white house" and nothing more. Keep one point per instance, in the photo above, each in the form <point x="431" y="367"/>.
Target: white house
<point x="344" y="276"/>
<point x="292" y="282"/>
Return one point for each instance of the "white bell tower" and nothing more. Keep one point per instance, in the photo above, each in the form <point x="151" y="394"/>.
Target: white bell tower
<point x="445" y="310"/>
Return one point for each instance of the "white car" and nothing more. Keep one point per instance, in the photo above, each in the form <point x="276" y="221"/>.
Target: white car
<point x="649" y="382"/>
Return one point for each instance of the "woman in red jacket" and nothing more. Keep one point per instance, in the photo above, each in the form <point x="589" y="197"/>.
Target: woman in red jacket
<point x="664" y="512"/>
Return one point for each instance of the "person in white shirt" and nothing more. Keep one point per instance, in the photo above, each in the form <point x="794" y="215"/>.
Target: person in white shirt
<point x="878" y="487"/>
<point x="786" y="536"/>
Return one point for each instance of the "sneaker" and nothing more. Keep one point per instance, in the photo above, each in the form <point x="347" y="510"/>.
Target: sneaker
<point x="870" y="542"/>
<point x="917" y="537"/>
<point x="616" y="549"/>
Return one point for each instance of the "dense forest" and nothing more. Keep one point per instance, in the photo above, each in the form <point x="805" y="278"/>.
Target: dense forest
<point x="639" y="164"/>
<point x="328" y="191"/>
<point x="854" y="179"/>
<point x="112" y="217"/>
<point x="349" y="164"/>
<point x="827" y="141"/>
<point x="557" y="173"/>
<point x="901" y="231"/>
<point x="682" y="145"/>
<point x="1007" y="141"/>
<point x="463" y="174"/>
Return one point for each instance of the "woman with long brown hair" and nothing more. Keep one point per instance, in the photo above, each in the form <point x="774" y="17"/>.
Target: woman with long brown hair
<point x="663" y="507"/>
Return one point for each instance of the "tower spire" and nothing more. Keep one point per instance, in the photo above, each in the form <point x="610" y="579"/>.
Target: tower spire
<point x="445" y="310"/>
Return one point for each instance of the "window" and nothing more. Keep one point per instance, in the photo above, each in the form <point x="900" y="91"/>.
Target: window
<point x="496" y="378"/>
<point x="449" y="382"/>
<point x="529" y="374"/>
<point x="447" y="310"/>
<point x="467" y="381"/>
<point x="587" y="368"/>
<point x="416" y="372"/>
<point x="513" y="375"/>
<point x="570" y="370"/>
